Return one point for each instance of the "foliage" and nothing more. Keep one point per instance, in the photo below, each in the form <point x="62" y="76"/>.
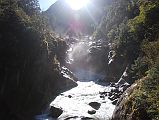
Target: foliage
<point x="132" y="29"/>
<point x="28" y="65"/>
<point x="146" y="8"/>
<point x="145" y="96"/>
<point x="151" y="52"/>
<point x="30" y="7"/>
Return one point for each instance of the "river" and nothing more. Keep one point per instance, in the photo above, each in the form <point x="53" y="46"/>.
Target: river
<point x="76" y="102"/>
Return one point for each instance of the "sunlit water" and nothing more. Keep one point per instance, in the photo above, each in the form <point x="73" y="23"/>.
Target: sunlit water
<point x="75" y="102"/>
<point x="78" y="104"/>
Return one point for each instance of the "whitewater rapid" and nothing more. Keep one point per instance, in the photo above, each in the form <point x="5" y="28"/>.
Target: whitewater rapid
<point x="75" y="102"/>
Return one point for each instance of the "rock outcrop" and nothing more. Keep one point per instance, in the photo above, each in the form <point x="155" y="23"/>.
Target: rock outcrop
<point x="55" y="112"/>
<point x="120" y="112"/>
<point x="95" y="105"/>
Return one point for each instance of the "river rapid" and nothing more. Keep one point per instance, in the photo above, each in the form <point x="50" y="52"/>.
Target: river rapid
<point x="92" y="99"/>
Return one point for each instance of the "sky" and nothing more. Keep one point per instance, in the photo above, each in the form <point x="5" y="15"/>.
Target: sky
<point x="45" y="4"/>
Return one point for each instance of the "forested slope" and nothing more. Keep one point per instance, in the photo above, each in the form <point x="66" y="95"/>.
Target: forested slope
<point x="132" y="29"/>
<point x="31" y="56"/>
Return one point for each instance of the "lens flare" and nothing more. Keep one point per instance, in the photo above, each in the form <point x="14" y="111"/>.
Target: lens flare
<point x="77" y="4"/>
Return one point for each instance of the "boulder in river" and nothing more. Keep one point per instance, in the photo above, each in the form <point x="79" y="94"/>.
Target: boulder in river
<point x="95" y="105"/>
<point x="69" y="96"/>
<point x="115" y="102"/>
<point x="86" y="118"/>
<point x="55" y="112"/>
<point x="91" y="112"/>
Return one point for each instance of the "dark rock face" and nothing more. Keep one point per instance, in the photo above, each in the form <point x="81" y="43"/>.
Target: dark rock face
<point x="98" y="55"/>
<point x="55" y="112"/>
<point x="95" y="105"/>
<point x="116" y="68"/>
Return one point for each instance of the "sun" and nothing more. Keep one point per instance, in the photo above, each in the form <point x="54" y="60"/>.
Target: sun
<point x="77" y="4"/>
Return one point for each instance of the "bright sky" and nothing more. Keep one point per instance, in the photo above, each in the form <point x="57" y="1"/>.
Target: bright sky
<point x="74" y="4"/>
<point x="45" y="4"/>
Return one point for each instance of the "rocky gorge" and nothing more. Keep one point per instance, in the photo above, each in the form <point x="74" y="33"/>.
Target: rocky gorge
<point x="107" y="69"/>
<point x="93" y="98"/>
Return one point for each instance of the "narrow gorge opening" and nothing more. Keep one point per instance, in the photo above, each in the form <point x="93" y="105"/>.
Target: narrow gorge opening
<point x="79" y="59"/>
<point x="87" y="59"/>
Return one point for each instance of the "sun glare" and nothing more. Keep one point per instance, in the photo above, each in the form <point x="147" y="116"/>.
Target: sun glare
<point x="77" y="4"/>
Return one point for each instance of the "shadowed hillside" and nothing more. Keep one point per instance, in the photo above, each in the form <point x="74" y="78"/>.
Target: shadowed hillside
<point x="131" y="27"/>
<point x="30" y="71"/>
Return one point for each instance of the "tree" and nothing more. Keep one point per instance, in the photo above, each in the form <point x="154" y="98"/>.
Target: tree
<point x="31" y="7"/>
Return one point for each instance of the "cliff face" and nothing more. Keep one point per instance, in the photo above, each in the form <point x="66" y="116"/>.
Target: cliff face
<point x="131" y="27"/>
<point x="30" y="71"/>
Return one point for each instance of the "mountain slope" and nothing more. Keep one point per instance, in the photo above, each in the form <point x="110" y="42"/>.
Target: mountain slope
<point x="63" y="19"/>
<point x="131" y="27"/>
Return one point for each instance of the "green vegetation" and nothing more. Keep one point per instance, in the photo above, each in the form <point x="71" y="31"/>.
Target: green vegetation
<point x="31" y="56"/>
<point x="132" y="28"/>
<point x="30" y="60"/>
<point x="145" y="97"/>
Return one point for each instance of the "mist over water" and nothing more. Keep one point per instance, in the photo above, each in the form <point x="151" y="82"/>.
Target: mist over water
<point x="79" y="60"/>
<point x="75" y="102"/>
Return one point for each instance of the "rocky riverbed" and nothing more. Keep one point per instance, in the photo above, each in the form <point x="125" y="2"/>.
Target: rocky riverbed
<point x="93" y="98"/>
<point x="87" y="101"/>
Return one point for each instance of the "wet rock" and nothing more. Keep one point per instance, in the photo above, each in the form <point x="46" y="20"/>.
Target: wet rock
<point x="116" y="67"/>
<point x="95" y="105"/>
<point x="103" y="93"/>
<point x="86" y="118"/>
<point x="91" y="112"/>
<point x="121" y="81"/>
<point x="112" y="98"/>
<point x="115" y="102"/>
<point x="102" y="96"/>
<point x="115" y="96"/>
<point x="112" y="84"/>
<point x="125" y="87"/>
<point x="67" y="73"/>
<point x="69" y="96"/>
<point x="115" y="90"/>
<point x="55" y="112"/>
<point x="118" y="95"/>
<point x="110" y="94"/>
<point x="74" y="117"/>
